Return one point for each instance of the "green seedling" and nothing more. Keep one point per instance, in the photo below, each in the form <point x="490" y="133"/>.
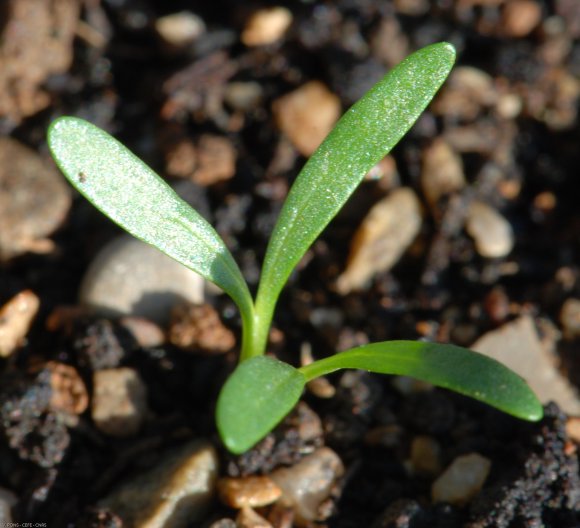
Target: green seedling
<point x="262" y="390"/>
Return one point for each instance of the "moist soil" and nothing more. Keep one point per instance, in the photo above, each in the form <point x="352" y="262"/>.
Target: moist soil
<point x="154" y="95"/>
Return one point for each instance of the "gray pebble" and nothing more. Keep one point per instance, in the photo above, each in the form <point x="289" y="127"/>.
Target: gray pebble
<point x="175" y="493"/>
<point x="309" y="483"/>
<point x="518" y="346"/>
<point x="129" y="277"/>
<point x="34" y="200"/>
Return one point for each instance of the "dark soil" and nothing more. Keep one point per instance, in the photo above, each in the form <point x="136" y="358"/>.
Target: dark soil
<point x="154" y="97"/>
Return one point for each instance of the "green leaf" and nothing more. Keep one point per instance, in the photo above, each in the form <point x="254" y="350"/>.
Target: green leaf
<point x="125" y="189"/>
<point x="259" y="393"/>
<point x="362" y="137"/>
<point x="448" y="366"/>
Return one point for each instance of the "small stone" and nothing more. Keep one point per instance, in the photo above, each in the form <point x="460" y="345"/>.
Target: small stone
<point x="570" y="318"/>
<point x="175" y="493"/>
<point x="309" y="483"/>
<point x="492" y="233"/>
<point x="129" y="277"/>
<point x="466" y="93"/>
<point x="253" y="491"/>
<point x="379" y="242"/>
<point x="198" y="328"/>
<point x="69" y="393"/>
<point x="223" y="523"/>
<point x="16" y="316"/>
<point x="520" y="17"/>
<point x="7" y="501"/>
<point x="119" y="402"/>
<point x="462" y="480"/>
<point x="146" y="333"/>
<point x="442" y="171"/>
<point x="216" y="160"/>
<point x="34" y="200"/>
<point x="388" y="436"/>
<point x="519" y="348"/>
<point x="36" y="41"/>
<point x="180" y="29"/>
<point x="248" y="518"/>
<point x="573" y="429"/>
<point x="243" y="96"/>
<point x="425" y="455"/>
<point x="266" y="26"/>
<point x="181" y="158"/>
<point x="307" y="115"/>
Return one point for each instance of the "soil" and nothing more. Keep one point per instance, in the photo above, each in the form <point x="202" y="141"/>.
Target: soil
<point x="173" y="105"/>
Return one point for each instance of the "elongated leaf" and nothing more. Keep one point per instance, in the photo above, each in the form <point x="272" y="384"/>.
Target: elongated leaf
<point x="259" y="393"/>
<point x="448" y="366"/>
<point x="118" y="183"/>
<point x="363" y="136"/>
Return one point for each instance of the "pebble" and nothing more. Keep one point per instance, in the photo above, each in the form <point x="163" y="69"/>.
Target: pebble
<point x="309" y="483"/>
<point x="573" y="429"/>
<point x="462" y="480"/>
<point x="491" y="232"/>
<point x="215" y="160"/>
<point x="34" y="200"/>
<point x="129" y="277"/>
<point x="243" y="96"/>
<point x="119" y="404"/>
<point x="266" y="26"/>
<point x="175" y="493"/>
<point x="69" y="393"/>
<point x="16" y="316"/>
<point x="198" y="328"/>
<point x="7" y="501"/>
<point x="248" y="518"/>
<point x="442" y="171"/>
<point x="425" y="455"/>
<point x="466" y="93"/>
<point x="146" y="333"/>
<point x="180" y="29"/>
<point x="519" y="348"/>
<point x="520" y="17"/>
<point x="36" y="42"/>
<point x="307" y="115"/>
<point x="388" y="436"/>
<point x="253" y="491"/>
<point x="382" y="238"/>
<point x="570" y="318"/>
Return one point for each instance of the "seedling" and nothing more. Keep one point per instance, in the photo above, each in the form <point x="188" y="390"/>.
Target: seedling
<point x="262" y="390"/>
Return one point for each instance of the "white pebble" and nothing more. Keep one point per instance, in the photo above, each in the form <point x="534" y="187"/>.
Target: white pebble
<point x="462" y="480"/>
<point x="307" y="484"/>
<point x="129" y="277"/>
<point x="119" y="403"/>
<point x="491" y="232"/>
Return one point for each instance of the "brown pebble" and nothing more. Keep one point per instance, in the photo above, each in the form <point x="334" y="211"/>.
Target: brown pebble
<point x="248" y="518"/>
<point x="69" y="393"/>
<point x="253" y="491"/>
<point x="198" y="328"/>
<point x="266" y="26"/>
<point x="16" y="316"/>
<point x="426" y="455"/>
<point x="215" y="161"/>
<point x="520" y="17"/>
<point x="307" y="115"/>
<point x="573" y="428"/>
<point x="34" y="200"/>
